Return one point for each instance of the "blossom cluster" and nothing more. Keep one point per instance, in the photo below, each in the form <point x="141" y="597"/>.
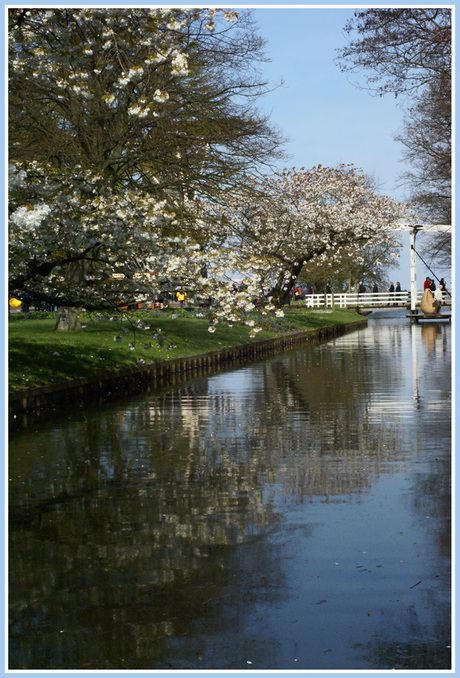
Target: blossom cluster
<point x="117" y="221"/>
<point x="128" y="247"/>
<point x="117" y="51"/>
<point x="292" y="218"/>
<point x="125" y="245"/>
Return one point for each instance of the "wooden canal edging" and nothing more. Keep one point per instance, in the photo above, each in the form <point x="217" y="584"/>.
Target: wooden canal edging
<point x="146" y="378"/>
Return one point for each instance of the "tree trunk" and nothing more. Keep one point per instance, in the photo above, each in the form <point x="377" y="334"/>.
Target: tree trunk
<point x="279" y="296"/>
<point x="68" y="320"/>
<point x="282" y="291"/>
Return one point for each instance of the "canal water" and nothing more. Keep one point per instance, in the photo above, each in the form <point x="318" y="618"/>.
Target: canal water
<point x="290" y="514"/>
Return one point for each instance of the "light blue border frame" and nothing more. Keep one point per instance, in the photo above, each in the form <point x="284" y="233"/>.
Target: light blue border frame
<point x="159" y="674"/>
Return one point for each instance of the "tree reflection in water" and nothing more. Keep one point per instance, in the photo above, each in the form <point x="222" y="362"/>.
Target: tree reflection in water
<point x="158" y="533"/>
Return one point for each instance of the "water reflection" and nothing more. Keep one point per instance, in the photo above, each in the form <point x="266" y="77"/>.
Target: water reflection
<point x="278" y="514"/>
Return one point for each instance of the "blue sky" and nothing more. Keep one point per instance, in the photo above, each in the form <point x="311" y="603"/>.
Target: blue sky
<point x="327" y="118"/>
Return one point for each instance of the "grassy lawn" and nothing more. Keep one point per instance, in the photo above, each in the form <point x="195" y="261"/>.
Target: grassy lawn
<point x="38" y="355"/>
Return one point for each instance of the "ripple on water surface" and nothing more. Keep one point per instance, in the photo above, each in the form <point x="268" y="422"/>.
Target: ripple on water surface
<point x="293" y="514"/>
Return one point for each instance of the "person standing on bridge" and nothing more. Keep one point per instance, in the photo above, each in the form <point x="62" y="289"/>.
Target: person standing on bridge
<point x="391" y="291"/>
<point x="375" y="288"/>
<point x="361" y="288"/>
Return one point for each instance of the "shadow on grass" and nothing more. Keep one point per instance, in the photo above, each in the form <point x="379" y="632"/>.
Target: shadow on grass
<point x="38" y="355"/>
<point x="31" y="364"/>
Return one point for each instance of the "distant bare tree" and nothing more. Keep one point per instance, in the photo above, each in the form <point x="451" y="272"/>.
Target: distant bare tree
<point x="404" y="48"/>
<point x="408" y="53"/>
<point x="426" y="136"/>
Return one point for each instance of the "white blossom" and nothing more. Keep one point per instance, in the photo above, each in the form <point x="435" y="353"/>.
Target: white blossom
<point x="16" y="179"/>
<point x="30" y="218"/>
<point x="231" y="17"/>
<point x="179" y="64"/>
<point x="160" y="96"/>
<point x="140" y="112"/>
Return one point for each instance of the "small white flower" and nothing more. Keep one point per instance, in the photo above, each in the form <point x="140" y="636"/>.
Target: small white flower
<point x="231" y="17"/>
<point x="179" y="64"/>
<point x="135" y="72"/>
<point x="160" y="96"/>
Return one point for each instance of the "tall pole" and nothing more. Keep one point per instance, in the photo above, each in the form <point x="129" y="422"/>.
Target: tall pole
<point x="413" y="275"/>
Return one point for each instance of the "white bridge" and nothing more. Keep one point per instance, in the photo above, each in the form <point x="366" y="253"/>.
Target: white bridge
<point x="367" y="300"/>
<point x="409" y="300"/>
<point x="414" y="229"/>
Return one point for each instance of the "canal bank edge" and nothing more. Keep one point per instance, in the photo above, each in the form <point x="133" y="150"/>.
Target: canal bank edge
<point x="145" y="378"/>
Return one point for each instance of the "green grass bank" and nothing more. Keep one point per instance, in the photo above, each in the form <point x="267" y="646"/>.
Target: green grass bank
<point x="39" y="356"/>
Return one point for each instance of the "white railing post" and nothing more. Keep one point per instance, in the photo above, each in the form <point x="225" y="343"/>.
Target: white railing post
<point x="413" y="273"/>
<point x="368" y="299"/>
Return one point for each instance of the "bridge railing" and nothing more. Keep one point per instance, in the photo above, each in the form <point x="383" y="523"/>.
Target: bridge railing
<point x="368" y="299"/>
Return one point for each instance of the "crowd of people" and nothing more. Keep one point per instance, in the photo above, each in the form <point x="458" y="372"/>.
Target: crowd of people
<point x="430" y="284"/>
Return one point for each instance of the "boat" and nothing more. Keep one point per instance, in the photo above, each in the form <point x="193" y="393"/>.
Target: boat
<point x="427" y="303"/>
<point x="428" y="307"/>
